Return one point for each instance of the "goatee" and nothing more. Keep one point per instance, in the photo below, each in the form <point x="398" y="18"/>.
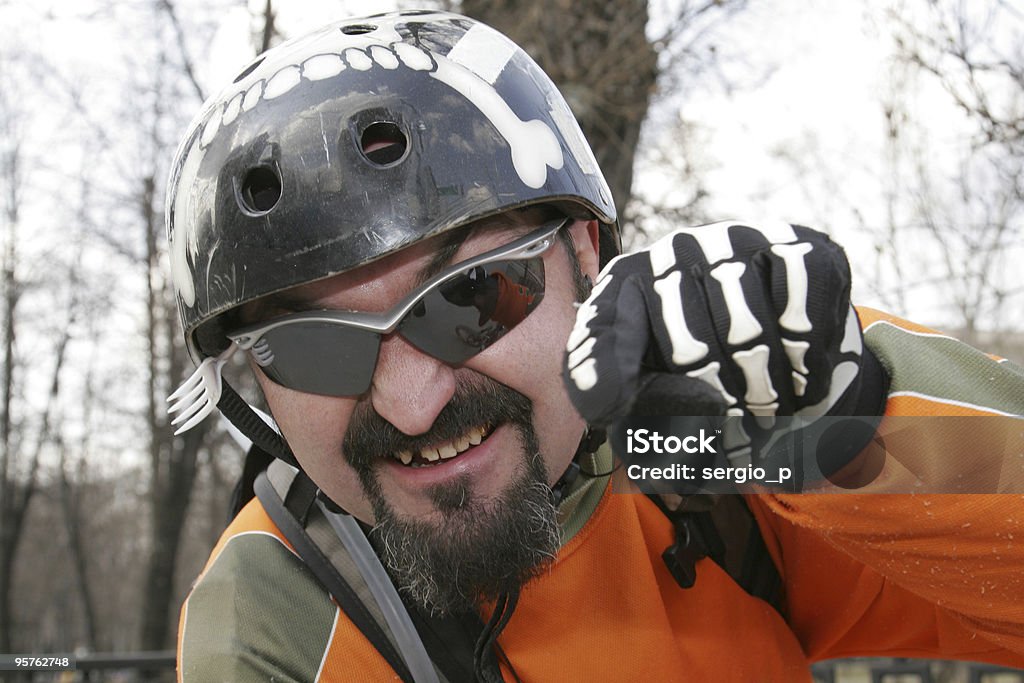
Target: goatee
<point x="484" y="548"/>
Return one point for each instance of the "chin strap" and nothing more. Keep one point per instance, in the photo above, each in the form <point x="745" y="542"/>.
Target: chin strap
<point x="253" y="427"/>
<point x="591" y="441"/>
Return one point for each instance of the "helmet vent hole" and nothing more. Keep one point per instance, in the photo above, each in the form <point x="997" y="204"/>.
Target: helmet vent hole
<point x="383" y="143"/>
<point x="358" y="29"/>
<point x="248" y="70"/>
<point x="260" y="190"/>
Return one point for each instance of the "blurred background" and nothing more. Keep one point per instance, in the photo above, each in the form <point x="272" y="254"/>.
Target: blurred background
<point x="897" y="126"/>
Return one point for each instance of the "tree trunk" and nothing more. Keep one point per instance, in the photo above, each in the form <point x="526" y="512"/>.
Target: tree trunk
<point x="71" y="509"/>
<point x="598" y="54"/>
<point x="13" y="491"/>
<point x="173" y="460"/>
<point x="169" y="509"/>
<point x="19" y="489"/>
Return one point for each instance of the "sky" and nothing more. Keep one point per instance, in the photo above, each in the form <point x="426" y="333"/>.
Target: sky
<point x="807" y="144"/>
<point x="829" y="68"/>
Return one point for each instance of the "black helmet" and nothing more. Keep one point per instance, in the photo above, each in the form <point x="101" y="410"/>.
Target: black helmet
<point x="343" y="146"/>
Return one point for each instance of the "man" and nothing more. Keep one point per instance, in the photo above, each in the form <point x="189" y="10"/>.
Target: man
<point x="341" y="211"/>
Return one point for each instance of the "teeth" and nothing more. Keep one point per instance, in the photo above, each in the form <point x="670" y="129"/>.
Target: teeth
<point x="444" y="451"/>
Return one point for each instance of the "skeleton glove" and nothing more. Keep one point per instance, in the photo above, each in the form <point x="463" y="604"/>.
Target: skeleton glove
<point x="748" y="320"/>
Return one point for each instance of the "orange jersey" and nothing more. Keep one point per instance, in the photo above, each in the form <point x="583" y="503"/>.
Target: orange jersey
<point x="879" y="575"/>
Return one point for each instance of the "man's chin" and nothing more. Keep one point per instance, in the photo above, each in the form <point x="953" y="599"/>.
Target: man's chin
<point x="455" y="515"/>
<point x="458" y="530"/>
<point x="470" y="548"/>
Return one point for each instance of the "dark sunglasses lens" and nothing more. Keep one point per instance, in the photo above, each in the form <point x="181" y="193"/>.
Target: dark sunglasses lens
<point x="319" y="358"/>
<point x="466" y="314"/>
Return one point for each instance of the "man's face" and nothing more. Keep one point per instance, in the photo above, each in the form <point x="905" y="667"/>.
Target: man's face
<point x="504" y="413"/>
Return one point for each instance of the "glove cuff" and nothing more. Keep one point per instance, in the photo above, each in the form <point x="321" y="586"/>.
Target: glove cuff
<point x="866" y="397"/>
<point x="842" y="441"/>
<point x="874" y="385"/>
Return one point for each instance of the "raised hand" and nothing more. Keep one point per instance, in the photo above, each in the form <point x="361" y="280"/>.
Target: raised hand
<point x="752" y="320"/>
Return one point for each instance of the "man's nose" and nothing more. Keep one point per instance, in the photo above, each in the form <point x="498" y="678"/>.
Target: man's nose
<point x="409" y="387"/>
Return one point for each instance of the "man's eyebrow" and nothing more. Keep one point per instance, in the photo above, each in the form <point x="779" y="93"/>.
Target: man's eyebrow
<point x="286" y="302"/>
<point x="444" y="254"/>
<point x="446" y="251"/>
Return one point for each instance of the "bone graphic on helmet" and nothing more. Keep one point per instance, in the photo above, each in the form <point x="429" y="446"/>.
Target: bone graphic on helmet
<point x="532" y="144"/>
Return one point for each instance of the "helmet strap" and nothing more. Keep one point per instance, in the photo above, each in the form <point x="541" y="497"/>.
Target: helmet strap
<point x="592" y="439"/>
<point x="233" y="407"/>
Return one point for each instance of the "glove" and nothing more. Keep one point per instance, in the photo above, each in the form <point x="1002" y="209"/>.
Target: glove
<point x="753" y="321"/>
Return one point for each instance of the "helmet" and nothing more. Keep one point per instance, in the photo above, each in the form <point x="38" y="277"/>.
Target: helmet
<point x="362" y="138"/>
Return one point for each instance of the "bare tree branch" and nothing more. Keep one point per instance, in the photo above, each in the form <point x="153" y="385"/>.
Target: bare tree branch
<point x="269" y="33"/>
<point x="186" y="60"/>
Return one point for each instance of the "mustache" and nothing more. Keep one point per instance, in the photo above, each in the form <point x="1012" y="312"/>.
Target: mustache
<point x="478" y="401"/>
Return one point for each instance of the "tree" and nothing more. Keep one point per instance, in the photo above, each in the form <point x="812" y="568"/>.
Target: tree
<point x="172" y="461"/>
<point x="17" y="484"/>
<point x="971" y="215"/>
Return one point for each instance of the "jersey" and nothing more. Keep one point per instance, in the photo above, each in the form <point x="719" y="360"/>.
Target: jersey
<point x="878" y="575"/>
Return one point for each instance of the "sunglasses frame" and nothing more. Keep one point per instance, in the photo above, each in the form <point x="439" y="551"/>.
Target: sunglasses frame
<point x="528" y="246"/>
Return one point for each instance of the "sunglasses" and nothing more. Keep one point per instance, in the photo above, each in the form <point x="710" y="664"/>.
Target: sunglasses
<point x="455" y="315"/>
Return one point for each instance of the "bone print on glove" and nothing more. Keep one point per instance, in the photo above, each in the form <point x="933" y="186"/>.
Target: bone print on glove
<point x="759" y="313"/>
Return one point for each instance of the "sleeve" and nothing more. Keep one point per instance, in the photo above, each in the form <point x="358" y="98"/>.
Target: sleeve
<point x="910" y="574"/>
<point x="256" y="613"/>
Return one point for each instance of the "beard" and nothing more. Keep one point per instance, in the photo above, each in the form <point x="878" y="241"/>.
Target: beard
<point x="484" y="548"/>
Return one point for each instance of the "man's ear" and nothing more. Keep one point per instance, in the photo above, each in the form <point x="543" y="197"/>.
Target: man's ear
<point x="587" y="242"/>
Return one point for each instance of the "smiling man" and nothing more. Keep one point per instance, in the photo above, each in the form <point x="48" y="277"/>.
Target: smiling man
<point x="451" y="463"/>
<point x="398" y="222"/>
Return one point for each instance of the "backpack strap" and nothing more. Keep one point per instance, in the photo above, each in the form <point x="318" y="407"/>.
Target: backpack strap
<point x="256" y="460"/>
<point x="723" y="528"/>
<point x="347" y="598"/>
<point x="448" y="641"/>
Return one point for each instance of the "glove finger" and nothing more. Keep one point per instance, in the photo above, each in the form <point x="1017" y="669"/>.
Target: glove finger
<point x="677" y="305"/>
<point x="720" y="284"/>
<point x="755" y="372"/>
<point x="606" y="348"/>
<point x="810" y="289"/>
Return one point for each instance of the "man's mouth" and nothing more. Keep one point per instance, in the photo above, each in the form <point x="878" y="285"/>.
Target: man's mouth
<point x="441" y="452"/>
